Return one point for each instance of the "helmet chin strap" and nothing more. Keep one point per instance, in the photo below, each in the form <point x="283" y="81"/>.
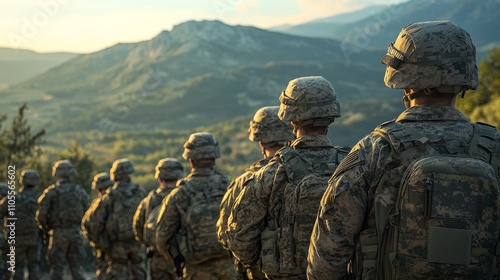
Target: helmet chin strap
<point x="406" y="100"/>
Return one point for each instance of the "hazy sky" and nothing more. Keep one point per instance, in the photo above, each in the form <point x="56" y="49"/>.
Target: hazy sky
<point x="90" y="25"/>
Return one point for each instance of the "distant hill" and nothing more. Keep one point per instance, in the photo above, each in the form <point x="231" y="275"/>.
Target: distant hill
<point x="18" y="65"/>
<point x="199" y="73"/>
<point x="324" y="27"/>
<point x="480" y="18"/>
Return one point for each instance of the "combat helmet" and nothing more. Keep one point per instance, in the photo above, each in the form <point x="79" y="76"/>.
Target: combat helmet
<point x="309" y="100"/>
<point x="201" y="145"/>
<point x="29" y="177"/>
<point x="4" y="189"/>
<point x="120" y="169"/>
<point x="63" y="168"/>
<point x="432" y="56"/>
<point x="169" y="169"/>
<point x="267" y="128"/>
<point x="102" y="181"/>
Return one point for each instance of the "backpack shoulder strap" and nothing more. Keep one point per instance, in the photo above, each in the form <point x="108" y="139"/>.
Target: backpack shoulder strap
<point x="485" y="144"/>
<point x="401" y="137"/>
<point x="296" y="167"/>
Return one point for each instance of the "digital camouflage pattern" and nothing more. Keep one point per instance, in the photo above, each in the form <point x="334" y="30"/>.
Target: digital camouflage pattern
<point x="29" y="177"/>
<point x="63" y="168"/>
<point x="160" y="266"/>
<point x="113" y="217"/>
<point x="121" y="168"/>
<point x="266" y="127"/>
<point x="60" y="211"/>
<point x="366" y="183"/>
<point x="258" y="211"/>
<point x="169" y="169"/>
<point x="201" y="145"/>
<point x="173" y="223"/>
<point x="233" y="190"/>
<point x="309" y="98"/>
<point x="432" y="54"/>
<point x="98" y="241"/>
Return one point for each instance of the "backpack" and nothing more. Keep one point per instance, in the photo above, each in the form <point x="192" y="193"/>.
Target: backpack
<point x="124" y="204"/>
<point x="284" y="251"/>
<point x="69" y="209"/>
<point x="149" y="233"/>
<point x="26" y="207"/>
<point x="445" y="221"/>
<point x="198" y="240"/>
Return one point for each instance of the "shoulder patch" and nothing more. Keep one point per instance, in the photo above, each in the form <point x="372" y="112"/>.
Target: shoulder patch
<point x="352" y="159"/>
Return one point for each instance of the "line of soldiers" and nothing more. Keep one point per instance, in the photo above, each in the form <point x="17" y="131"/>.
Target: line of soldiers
<point x="308" y="209"/>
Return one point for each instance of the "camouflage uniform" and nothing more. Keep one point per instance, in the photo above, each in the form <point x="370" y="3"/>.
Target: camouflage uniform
<point x="101" y="183"/>
<point x="60" y="217"/>
<point x="126" y="256"/>
<point x="353" y="198"/>
<point x="173" y="218"/>
<point x="169" y="170"/>
<point x="307" y="100"/>
<point x="4" y="246"/>
<point x="27" y="233"/>
<point x="269" y="131"/>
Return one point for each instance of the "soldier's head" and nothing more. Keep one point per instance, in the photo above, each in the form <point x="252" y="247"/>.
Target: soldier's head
<point x="201" y="149"/>
<point x="29" y="178"/>
<point x="169" y="170"/>
<point x="431" y="61"/>
<point x="310" y="104"/>
<point x="63" y="169"/>
<point x="267" y="129"/>
<point x="4" y="189"/>
<point x="121" y="169"/>
<point x="102" y="182"/>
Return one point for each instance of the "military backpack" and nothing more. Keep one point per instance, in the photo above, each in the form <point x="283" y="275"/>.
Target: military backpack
<point x="285" y="248"/>
<point x="124" y="204"/>
<point x="69" y="208"/>
<point x="198" y="240"/>
<point x="445" y="221"/>
<point x="26" y="207"/>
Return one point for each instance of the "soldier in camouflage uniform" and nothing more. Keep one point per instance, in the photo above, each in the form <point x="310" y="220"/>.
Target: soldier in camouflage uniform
<point x="60" y="210"/>
<point x="168" y="172"/>
<point x="432" y="62"/>
<point x="27" y="233"/>
<point x="271" y="133"/>
<point x="101" y="183"/>
<point x="310" y="104"/>
<point x="113" y="217"/>
<point x="4" y="246"/>
<point x="201" y="149"/>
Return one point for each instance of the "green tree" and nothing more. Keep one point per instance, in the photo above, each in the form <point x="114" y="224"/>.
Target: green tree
<point x="19" y="147"/>
<point x="83" y="163"/>
<point x="488" y="90"/>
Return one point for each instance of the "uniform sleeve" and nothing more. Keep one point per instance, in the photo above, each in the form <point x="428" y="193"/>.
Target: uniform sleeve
<point x="86" y="220"/>
<point x="169" y="222"/>
<point x="100" y="216"/>
<point x="342" y="214"/>
<point x="248" y="216"/>
<point x="3" y="215"/>
<point x="43" y="208"/>
<point x="139" y="220"/>
<point x="226" y="205"/>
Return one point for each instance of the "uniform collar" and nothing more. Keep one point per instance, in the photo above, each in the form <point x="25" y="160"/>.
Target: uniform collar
<point x="431" y="113"/>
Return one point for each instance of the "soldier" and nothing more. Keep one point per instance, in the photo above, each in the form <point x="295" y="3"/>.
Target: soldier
<point x="60" y="210"/>
<point x="280" y="206"/>
<point x="113" y="217"/>
<point x="271" y="133"/>
<point x="101" y="183"/>
<point x="4" y="246"/>
<point x="27" y="232"/>
<point x="374" y="221"/>
<point x="168" y="172"/>
<point x="186" y="228"/>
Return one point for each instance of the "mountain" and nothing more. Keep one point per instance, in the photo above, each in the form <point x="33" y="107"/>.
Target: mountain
<point x="18" y="65"/>
<point x="324" y="27"/>
<point x="197" y="74"/>
<point x="374" y="31"/>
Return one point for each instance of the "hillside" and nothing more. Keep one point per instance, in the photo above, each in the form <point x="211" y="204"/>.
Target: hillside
<point x="19" y="65"/>
<point x="480" y="19"/>
<point x="199" y="73"/>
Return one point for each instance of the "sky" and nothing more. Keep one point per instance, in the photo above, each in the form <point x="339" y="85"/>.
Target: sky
<point x="85" y="26"/>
